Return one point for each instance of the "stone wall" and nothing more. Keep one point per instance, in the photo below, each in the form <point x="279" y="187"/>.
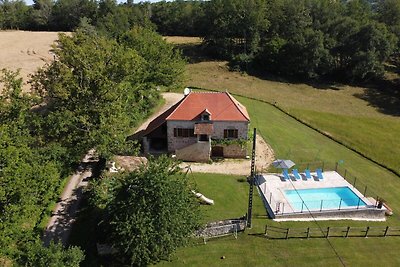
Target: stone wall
<point x="198" y="152"/>
<point x="220" y="126"/>
<point x="224" y="227"/>
<point x="234" y="151"/>
<point x="175" y="143"/>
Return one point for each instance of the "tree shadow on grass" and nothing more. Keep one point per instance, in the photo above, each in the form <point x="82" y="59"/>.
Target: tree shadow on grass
<point x="195" y="53"/>
<point x="384" y="96"/>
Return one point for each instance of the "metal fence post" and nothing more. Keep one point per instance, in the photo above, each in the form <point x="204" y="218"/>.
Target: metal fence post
<point x="386" y="231"/>
<point x="327" y="232"/>
<point x="358" y="204"/>
<point x="308" y="232"/>
<point x="270" y="197"/>
<point x="340" y="203"/>
<point x="302" y="204"/>
<point x="287" y="233"/>
<point x="321" y="205"/>
<point x="365" y="191"/>
<point x="266" y="230"/>
<point x="366" y="232"/>
<point x="348" y="230"/>
<point x="354" y="183"/>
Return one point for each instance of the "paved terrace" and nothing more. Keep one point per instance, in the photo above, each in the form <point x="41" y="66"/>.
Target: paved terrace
<point x="273" y="185"/>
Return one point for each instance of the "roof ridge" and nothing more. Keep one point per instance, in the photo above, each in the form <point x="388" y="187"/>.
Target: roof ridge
<point x="235" y="102"/>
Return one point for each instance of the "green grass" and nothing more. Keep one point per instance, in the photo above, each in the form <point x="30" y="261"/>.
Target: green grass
<point x="337" y="109"/>
<point x="291" y="139"/>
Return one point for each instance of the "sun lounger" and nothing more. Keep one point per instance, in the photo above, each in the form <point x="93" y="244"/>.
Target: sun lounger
<point x="296" y="174"/>
<point x="308" y="174"/>
<point x="286" y="174"/>
<point x="319" y="174"/>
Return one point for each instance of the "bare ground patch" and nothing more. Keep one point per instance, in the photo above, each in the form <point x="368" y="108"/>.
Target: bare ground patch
<point x="25" y="50"/>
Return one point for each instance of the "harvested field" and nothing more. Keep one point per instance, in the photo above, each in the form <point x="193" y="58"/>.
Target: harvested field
<point x="26" y="51"/>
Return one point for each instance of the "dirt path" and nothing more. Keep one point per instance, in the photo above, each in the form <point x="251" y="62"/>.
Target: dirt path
<point x="64" y="214"/>
<point x="264" y="153"/>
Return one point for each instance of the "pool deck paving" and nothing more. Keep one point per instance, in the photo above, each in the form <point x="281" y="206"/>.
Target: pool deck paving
<point x="273" y="185"/>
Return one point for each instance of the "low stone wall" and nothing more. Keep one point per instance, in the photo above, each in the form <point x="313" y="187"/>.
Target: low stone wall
<point x="198" y="152"/>
<point x="234" y="151"/>
<point x="224" y="227"/>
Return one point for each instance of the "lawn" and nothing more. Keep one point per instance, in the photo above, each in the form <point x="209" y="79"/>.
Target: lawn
<point x="291" y="139"/>
<point x="253" y="249"/>
<point x="362" y="118"/>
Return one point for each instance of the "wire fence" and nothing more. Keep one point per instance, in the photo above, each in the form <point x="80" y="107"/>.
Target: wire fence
<point x="273" y="232"/>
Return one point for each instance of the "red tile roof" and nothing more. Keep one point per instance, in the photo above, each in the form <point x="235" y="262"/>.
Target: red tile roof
<point x="221" y="105"/>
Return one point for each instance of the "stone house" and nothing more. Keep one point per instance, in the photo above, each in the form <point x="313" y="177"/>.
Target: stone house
<point x="201" y="125"/>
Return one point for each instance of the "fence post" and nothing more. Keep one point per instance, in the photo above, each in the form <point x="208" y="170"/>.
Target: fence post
<point x="270" y="197"/>
<point x="376" y="201"/>
<point x="327" y="232"/>
<point x="354" y="183"/>
<point x="302" y="204"/>
<point x="336" y="165"/>
<point x="283" y="207"/>
<point x="321" y="205"/>
<point x="323" y="166"/>
<point x="266" y="230"/>
<point x="386" y="231"/>
<point x="358" y="204"/>
<point x="348" y="230"/>
<point x="287" y="233"/>
<point x="308" y="232"/>
<point x="345" y="173"/>
<point x="365" y="191"/>
<point x="340" y="203"/>
<point x="366" y="232"/>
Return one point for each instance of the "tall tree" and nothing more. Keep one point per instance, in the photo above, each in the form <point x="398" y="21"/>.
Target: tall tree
<point x="66" y="14"/>
<point x="235" y="26"/>
<point x="41" y="14"/>
<point x="94" y="92"/>
<point x="164" y="65"/>
<point x="148" y="213"/>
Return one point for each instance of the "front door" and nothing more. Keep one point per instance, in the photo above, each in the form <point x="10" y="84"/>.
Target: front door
<point x="203" y="137"/>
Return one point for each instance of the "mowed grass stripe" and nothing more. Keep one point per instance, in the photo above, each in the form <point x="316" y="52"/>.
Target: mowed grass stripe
<point x="358" y="132"/>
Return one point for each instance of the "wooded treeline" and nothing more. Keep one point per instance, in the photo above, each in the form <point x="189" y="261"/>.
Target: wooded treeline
<point x="335" y="40"/>
<point x="102" y="82"/>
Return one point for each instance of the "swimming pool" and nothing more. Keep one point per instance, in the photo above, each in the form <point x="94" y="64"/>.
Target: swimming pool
<point x="323" y="198"/>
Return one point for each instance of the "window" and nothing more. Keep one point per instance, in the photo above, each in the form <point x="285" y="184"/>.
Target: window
<point x="206" y="117"/>
<point x="231" y="133"/>
<point x="184" y="132"/>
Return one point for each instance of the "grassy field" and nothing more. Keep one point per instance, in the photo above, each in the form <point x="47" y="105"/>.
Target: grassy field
<point x="363" y="118"/>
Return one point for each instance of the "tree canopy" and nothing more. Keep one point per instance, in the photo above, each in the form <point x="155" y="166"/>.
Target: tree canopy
<point x="97" y="89"/>
<point x="149" y="213"/>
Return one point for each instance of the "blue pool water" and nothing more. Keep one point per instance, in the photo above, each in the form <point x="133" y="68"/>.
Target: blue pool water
<point x="327" y="198"/>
